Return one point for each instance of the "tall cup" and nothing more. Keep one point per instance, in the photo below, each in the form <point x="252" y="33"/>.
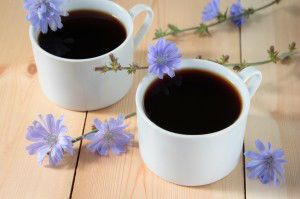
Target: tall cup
<point x="73" y="83"/>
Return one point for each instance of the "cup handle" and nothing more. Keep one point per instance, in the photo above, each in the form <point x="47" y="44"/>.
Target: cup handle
<point x="135" y="11"/>
<point x="252" y="78"/>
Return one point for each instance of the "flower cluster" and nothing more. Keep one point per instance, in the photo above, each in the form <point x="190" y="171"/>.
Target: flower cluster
<point x="110" y="134"/>
<point x="267" y="164"/>
<point x="44" y="13"/>
<point x="212" y="11"/>
<point x="49" y="137"/>
<point x="163" y="58"/>
<point x="237" y="14"/>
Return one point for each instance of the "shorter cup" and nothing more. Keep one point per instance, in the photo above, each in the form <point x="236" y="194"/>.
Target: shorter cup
<point x="73" y="83"/>
<point x="193" y="160"/>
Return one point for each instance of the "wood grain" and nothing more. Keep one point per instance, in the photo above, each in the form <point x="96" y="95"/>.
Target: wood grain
<point x="275" y="111"/>
<point x="126" y="176"/>
<point x="274" y="115"/>
<point x="21" y="100"/>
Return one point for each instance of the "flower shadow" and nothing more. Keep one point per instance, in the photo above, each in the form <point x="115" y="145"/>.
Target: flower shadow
<point x="88" y="158"/>
<point x="68" y="162"/>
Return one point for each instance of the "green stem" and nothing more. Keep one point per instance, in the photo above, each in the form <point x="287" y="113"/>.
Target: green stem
<point x="138" y="68"/>
<point x="227" y="19"/>
<point x="130" y="115"/>
<point x="94" y="131"/>
<point x="82" y="136"/>
<point x="251" y="63"/>
<point x="267" y="5"/>
<point x="282" y="56"/>
<point x="122" y="68"/>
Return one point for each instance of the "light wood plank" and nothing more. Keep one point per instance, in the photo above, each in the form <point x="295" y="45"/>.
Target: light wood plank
<point x="126" y="176"/>
<point x="21" y="101"/>
<point x="275" y="112"/>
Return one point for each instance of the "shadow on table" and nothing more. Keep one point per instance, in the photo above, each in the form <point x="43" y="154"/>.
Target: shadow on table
<point x="68" y="162"/>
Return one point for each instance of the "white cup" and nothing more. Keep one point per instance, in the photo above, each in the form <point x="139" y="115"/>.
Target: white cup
<point x="193" y="160"/>
<point x="73" y="83"/>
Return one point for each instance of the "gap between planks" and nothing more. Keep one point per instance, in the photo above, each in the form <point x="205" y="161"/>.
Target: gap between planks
<point x="78" y="156"/>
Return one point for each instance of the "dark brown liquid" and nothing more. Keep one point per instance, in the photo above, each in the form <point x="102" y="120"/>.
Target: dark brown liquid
<point x="85" y="34"/>
<point x="193" y="102"/>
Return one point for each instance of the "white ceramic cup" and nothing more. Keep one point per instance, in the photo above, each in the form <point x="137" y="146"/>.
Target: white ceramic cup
<point x="73" y="83"/>
<point x="193" y="160"/>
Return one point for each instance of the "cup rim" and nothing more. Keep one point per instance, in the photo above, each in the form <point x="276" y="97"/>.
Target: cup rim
<point x="187" y="63"/>
<point x="34" y="41"/>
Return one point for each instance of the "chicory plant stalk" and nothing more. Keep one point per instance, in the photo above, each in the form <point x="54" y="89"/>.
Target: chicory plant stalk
<point x="203" y="28"/>
<point x="273" y="56"/>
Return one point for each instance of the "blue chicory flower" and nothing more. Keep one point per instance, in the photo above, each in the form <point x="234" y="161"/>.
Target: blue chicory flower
<point x="49" y="137"/>
<point x="163" y="58"/>
<point x="267" y="165"/>
<point x="236" y="10"/>
<point x="110" y="134"/>
<point x="44" y="13"/>
<point x="211" y="10"/>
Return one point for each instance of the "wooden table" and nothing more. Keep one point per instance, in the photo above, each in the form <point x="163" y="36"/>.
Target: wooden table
<point x="274" y="115"/>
